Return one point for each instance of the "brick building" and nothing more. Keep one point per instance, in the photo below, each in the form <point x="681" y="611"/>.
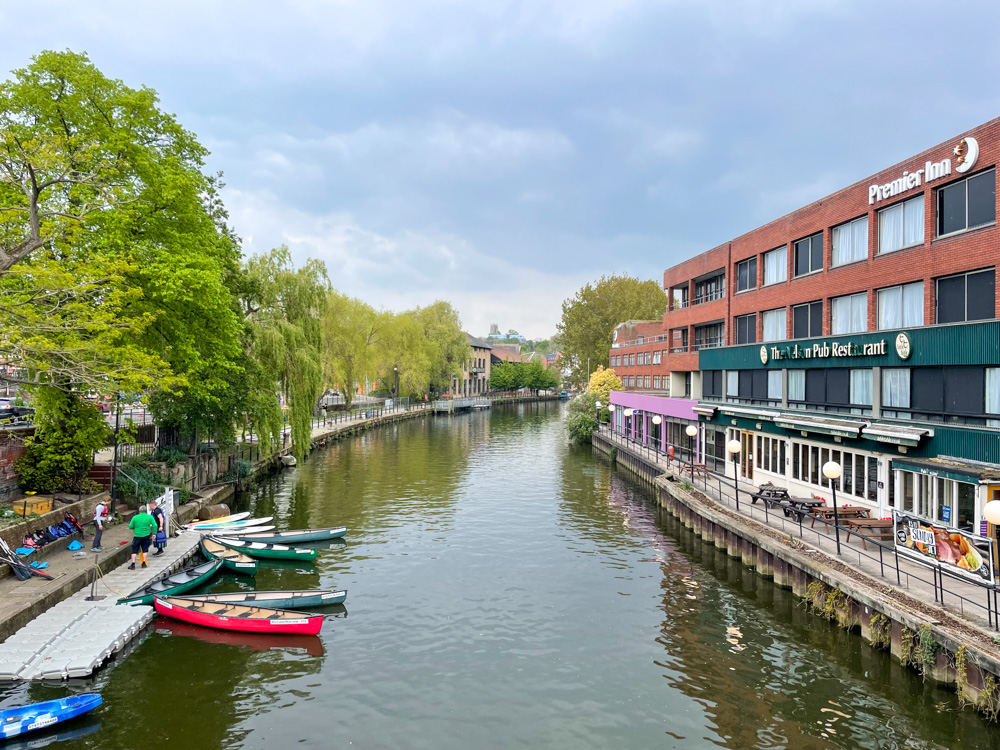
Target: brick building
<point x="860" y="328"/>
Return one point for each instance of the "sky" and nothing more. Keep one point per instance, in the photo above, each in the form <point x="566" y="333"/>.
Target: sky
<point x="502" y="154"/>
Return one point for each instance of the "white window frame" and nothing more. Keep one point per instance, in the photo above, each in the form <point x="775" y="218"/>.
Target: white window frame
<point x="783" y="311"/>
<point x="856" y="253"/>
<point x="780" y="258"/>
<point x="902" y="239"/>
<point x="853" y="299"/>
<point x="902" y="306"/>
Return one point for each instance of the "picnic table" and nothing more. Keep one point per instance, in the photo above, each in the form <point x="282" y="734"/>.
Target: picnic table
<point x="692" y="469"/>
<point x="800" y="506"/>
<point x="848" y="511"/>
<point x="772" y="490"/>
<point x="870" y="528"/>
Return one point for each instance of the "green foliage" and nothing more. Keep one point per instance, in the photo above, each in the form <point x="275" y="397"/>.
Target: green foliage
<point x="926" y="648"/>
<point x="112" y="243"/>
<point x="61" y="452"/>
<point x="351" y="332"/>
<point x="241" y="470"/>
<point x="880" y="634"/>
<point x="582" y="419"/>
<point x="170" y="455"/>
<point x="510" y="376"/>
<point x="139" y="482"/>
<point x="287" y="310"/>
<point x="445" y="343"/>
<point x="589" y="318"/>
<point x="602" y="382"/>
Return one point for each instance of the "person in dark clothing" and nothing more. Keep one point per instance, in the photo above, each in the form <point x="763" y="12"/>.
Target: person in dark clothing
<point x="160" y="540"/>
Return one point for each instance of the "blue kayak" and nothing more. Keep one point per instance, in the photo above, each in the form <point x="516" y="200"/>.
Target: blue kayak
<point x="17" y="721"/>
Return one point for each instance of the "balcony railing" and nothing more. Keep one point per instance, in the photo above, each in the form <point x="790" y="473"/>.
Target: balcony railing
<point x="709" y="343"/>
<point x="709" y="297"/>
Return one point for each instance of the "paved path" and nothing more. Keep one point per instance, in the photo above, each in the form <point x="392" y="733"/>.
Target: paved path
<point x="76" y="636"/>
<point x="963" y="599"/>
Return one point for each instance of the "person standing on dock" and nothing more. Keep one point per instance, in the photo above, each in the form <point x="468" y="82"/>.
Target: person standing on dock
<point x="100" y="513"/>
<point x="143" y="527"/>
<point x="160" y="540"/>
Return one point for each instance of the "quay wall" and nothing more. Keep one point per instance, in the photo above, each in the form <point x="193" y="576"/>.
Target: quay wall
<point x="923" y="636"/>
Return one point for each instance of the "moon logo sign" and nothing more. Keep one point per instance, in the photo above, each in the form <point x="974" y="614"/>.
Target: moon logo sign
<point x="967" y="152"/>
<point x="763" y="355"/>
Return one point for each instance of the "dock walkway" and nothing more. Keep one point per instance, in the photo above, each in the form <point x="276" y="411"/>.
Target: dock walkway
<point x="75" y="637"/>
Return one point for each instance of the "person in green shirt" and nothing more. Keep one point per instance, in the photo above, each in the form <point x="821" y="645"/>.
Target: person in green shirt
<point x="143" y="527"/>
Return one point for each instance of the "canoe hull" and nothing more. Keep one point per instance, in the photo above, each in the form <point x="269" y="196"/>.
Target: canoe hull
<point x="147" y="598"/>
<point x="304" y="599"/>
<point x="303" y="536"/>
<point x="305" y="625"/>
<point x="247" y="523"/>
<point x="269" y="552"/>
<point x="217" y="521"/>
<point x="18" y="721"/>
<point x="245" y="567"/>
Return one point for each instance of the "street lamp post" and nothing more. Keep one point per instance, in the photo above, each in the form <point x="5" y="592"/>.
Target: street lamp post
<point x="628" y="428"/>
<point x="691" y="431"/>
<point x="657" y="420"/>
<point x="395" y="390"/>
<point x="114" y="456"/>
<point x="733" y="446"/>
<point x="832" y="471"/>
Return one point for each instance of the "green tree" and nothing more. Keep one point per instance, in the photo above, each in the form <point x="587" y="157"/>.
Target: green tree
<point x="352" y="331"/>
<point x="286" y="309"/>
<point x="582" y="419"/>
<point x="60" y="453"/>
<point x="602" y="382"/>
<point x="446" y="344"/>
<point x="589" y="318"/>
<point x="403" y="349"/>
<point x="503" y="376"/>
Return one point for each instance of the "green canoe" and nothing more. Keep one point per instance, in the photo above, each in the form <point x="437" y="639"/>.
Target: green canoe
<point x="269" y="551"/>
<point x="178" y="583"/>
<point x="294" y="536"/>
<point x="231" y="559"/>
<point x="275" y="599"/>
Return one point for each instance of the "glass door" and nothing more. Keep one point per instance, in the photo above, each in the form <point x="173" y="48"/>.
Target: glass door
<point x="746" y="454"/>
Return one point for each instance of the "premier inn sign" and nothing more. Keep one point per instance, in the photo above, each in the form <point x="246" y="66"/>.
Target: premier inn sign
<point x="823" y="350"/>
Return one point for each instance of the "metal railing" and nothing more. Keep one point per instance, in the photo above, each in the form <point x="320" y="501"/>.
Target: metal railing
<point x="981" y="599"/>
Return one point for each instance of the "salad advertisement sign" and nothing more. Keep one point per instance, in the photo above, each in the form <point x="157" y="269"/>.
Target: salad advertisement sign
<point x="942" y="546"/>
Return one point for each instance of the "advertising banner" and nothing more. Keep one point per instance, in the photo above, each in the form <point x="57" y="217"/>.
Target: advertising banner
<point x="950" y="549"/>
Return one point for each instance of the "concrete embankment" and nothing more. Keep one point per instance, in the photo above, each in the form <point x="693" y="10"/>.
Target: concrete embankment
<point x="934" y="640"/>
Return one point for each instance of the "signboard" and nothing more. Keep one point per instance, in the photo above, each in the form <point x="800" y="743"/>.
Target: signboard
<point x="944" y="547"/>
<point x="167" y="504"/>
<point x="966" y="153"/>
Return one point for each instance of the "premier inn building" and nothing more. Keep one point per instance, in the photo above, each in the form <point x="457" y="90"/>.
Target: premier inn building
<point x="862" y="328"/>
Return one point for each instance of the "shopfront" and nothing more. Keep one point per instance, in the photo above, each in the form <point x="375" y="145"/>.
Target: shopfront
<point x="909" y="415"/>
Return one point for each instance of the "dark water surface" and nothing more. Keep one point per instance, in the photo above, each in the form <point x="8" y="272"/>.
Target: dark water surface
<point x="509" y="591"/>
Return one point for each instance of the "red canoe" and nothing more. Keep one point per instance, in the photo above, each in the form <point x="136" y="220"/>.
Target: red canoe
<point x="240" y="617"/>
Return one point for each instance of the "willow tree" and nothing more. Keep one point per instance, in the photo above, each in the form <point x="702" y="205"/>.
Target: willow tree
<point x="352" y="331"/>
<point x="445" y="344"/>
<point x="402" y="353"/>
<point x="286" y="308"/>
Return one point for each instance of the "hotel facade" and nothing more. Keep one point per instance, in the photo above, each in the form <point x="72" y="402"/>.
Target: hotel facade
<point x="861" y="328"/>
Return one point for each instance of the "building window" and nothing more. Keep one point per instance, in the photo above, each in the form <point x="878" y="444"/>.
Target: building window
<point x="679" y="340"/>
<point x="732" y="383"/>
<point x="901" y="225"/>
<point x="850" y="242"/>
<point x="809" y="255"/>
<point x="746" y="329"/>
<point x="967" y="296"/>
<point x="861" y="387"/>
<point x="679" y="297"/>
<point x="710" y="289"/>
<point x="776" y="266"/>
<point x="631" y="360"/>
<point x="656" y="382"/>
<point x="746" y="274"/>
<point x="896" y="388"/>
<point x="709" y="336"/>
<point x="656" y="357"/>
<point x="796" y="385"/>
<point x="711" y="383"/>
<point x="775" y="328"/>
<point x="807" y="320"/>
<point x="774" y="385"/>
<point x="849" y="314"/>
<point x="770" y="454"/>
<point x="993" y="395"/>
<point x="967" y="204"/>
<point x="901" y="306"/>
<point x="646" y="381"/>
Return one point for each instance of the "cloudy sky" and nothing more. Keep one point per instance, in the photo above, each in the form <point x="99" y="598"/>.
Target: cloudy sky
<point x="501" y="154"/>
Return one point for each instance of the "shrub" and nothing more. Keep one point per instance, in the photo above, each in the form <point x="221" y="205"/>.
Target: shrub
<point x="171" y="455"/>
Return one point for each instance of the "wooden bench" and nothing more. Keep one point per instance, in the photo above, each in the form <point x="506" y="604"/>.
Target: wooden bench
<point x="870" y="528"/>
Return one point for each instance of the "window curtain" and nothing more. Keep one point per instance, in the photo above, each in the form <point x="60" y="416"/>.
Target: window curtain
<point x="796" y="385"/>
<point x="913" y="221"/>
<point x="896" y="388"/>
<point x="849" y="314"/>
<point x="733" y="383"/>
<point x="850" y="242"/>
<point x="774" y="385"/>
<point x="913" y="305"/>
<point x="993" y="390"/>
<point x="861" y="387"/>
<point x="776" y="266"/>
<point x="774" y="325"/>
<point x="859" y="239"/>
<point x="890" y="308"/>
<point x="890" y="229"/>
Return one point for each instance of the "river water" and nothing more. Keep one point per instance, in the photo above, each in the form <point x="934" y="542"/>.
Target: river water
<point x="507" y="590"/>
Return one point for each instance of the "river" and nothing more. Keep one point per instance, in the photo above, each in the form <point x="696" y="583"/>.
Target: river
<point x="508" y="590"/>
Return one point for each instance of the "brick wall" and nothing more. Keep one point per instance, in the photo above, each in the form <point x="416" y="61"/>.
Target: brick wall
<point x="972" y="250"/>
<point x="11" y="449"/>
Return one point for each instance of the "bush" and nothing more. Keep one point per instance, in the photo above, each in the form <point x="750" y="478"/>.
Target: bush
<point x="581" y="426"/>
<point x="60" y="453"/>
<point x="139" y="482"/>
<point x="240" y="471"/>
<point x="170" y="455"/>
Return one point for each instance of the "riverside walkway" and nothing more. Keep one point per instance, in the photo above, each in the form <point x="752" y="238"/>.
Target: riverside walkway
<point x="975" y="605"/>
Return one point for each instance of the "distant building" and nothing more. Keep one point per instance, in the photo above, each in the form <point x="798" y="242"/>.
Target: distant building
<point x="507" y="352"/>
<point x="494" y="329"/>
<point x="476" y="372"/>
